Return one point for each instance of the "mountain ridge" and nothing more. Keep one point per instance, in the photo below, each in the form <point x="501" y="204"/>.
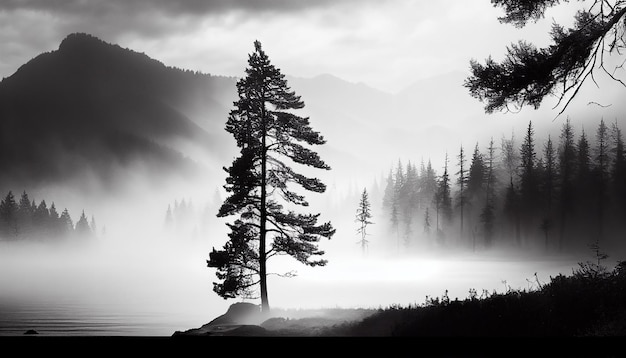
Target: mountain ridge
<point x="102" y="106"/>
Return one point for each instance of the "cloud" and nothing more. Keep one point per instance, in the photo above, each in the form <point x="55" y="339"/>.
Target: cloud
<point x="173" y="8"/>
<point x="385" y="44"/>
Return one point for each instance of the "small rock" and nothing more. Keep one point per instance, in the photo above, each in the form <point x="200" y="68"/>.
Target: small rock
<point x="31" y="331"/>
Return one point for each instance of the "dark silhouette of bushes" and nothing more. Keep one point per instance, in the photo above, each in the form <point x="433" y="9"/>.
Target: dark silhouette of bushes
<point x="590" y="302"/>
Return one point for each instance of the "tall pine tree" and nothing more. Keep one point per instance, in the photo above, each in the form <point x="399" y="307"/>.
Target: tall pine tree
<point x="267" y="132"/>
<point x="566" y="173"/>
<point x="462" y="182"/>
<point x="618" y="171"/>
<point x="443" y="202"/>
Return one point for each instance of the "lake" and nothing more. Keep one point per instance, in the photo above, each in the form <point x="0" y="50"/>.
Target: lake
<point x="157" y="288"/>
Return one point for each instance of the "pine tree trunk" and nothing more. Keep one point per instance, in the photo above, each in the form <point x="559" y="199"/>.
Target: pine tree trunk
<point x="265" y="307"/>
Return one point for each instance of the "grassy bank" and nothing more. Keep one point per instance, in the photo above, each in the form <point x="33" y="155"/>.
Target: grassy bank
<point x="590" y="302"/>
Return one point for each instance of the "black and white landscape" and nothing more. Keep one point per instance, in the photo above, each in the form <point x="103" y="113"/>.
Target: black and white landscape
<point x="159" y="162"/>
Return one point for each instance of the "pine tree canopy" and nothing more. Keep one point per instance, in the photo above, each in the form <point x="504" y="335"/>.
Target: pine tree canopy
<point x="528" y="74"/>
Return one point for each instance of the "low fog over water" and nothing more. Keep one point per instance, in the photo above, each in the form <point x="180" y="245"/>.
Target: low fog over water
<point x="131" y="282"/>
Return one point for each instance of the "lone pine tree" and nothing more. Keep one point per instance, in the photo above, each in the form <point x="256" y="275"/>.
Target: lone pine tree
<point x="363" y="216"/>
<point x="267" y="132"/>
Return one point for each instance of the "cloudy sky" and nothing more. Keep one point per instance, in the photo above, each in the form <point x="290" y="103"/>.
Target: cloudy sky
<point x="383" y="43"/>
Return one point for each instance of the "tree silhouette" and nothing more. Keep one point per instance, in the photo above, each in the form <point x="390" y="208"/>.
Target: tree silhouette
<point x="618" y="171"/>
<point x="82" y="226"/>
<point x="584" y="181"/>
<point x="601" y="173"/>
<point x="548" y="186"/>
<point x="528" y="74"/>
<point x="53" y="221"/>
<point x="24" y="216"/>
<point x="443" y="201"/>
<point x="41" y="219"/>
<point x="462" y="181"/>
<point x="363" y="216"/>
<point x="8" y="217"/>
<point x="567" y="168"/>
<point x="65" y="223"/>
<point x="267" y="131"/>
<point x="529" y="183"/>
<point x="487" y="215"/>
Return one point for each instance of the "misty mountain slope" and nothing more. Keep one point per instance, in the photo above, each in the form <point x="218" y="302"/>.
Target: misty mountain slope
<point x="93" y="106"/>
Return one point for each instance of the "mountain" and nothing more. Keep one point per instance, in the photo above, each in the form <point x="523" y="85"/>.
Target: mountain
<point x="93" y="108"/>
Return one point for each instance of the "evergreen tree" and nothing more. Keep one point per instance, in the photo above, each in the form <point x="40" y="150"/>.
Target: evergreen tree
<point x="25" y="216"/>
<point x="475" y="198"/>
<point x="429" y="184"/>
<point x="476" y="176"/>
<point x="618" y="171"/>
<point x="41" y="219"/>
<point x="566" y="172"/>
<point x="8" y="217"/>
<point x="491" y="179"/>
<point x="266" y="131"/>
<point x="443" y="200"/>
<point x="548" y="186"/>
<point x="584" y="199"/>
<point x="487" y="215"/>
<point x="53" y="224"/>
<point x="82" y="226"/>
<point x="407" y="197"/>
<point x="601" y="174"/>
<point x="363" y="216"/>
<point x="66" y="224"/>
<point x="510" y="162"/>
<point x="462" y="182"/>
<point x="529" y="183"/>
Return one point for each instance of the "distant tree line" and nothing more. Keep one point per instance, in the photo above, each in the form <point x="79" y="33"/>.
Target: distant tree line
<point x="183" y="218"/>
<point x="24" y="219"/>
<point x="566" y="193"/>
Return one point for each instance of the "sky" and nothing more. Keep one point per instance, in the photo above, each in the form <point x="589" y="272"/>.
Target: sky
<point x="385" y="44"/>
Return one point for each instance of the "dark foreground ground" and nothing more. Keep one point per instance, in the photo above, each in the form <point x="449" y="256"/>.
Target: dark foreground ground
<point x="581" y="315"/>
<point x="589" y="303"/>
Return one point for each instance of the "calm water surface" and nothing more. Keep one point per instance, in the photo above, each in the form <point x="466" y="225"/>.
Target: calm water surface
<point x="155" y="290"/>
